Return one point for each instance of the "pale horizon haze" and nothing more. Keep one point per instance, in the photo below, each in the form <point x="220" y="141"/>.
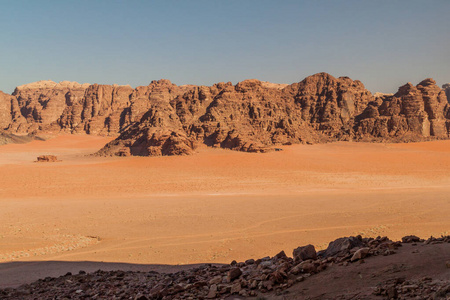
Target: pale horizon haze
<point x="383" y="43"/>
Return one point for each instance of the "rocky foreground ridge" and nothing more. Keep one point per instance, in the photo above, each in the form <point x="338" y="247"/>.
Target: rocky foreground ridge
<point x="165" y="119"/>
<point x="350" y="268"/>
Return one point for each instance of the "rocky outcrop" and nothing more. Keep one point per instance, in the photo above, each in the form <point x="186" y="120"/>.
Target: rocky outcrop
<point x="158" y="132"/>
<point x="42" y="103"/>
<point x="10" y="113"/>
<point x="330" y="105"/>
<point x="414" y="113"/>
<point x="318" y="109"/>
<point x="97" y="111"/>
<point x="47" y="106"/>
<point x="47" y="158"/>
<point x="253" y="116"/>
<point x="250" y="117"/>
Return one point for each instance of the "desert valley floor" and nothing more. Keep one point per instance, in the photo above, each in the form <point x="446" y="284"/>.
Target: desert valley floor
<point x="215" y="206"/>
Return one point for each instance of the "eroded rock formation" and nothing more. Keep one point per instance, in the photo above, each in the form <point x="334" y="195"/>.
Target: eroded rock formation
<point x="165" y="119"/>
<point x="412" y="114"/>
<point x="41" y="104"/>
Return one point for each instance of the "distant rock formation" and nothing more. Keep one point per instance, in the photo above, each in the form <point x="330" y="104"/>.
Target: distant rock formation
<point x="37" y="106"/>
<point x="446" y="88"/>
<point x="6" y="109"/>
<point x="165" y="119"/>
<point x="412" y="114"/>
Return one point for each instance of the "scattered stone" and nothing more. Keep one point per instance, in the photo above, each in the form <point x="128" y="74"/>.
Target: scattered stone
<point x="216" y="280"/>
<point x="212" y="292"/>
<point x="391" y="292"/>
<point x="281" y="255"/>
<point x="342" y="246"/>
<point x="307" y="267"/>
<point x="265" y="264"/>
<point x="425" y="288"/>
<point x="233" y="274"/>
<point x="360" y="254"/>
<point x="410" y="239"/>
<point x="250" y="279"/>
<point x="236" y="288"/>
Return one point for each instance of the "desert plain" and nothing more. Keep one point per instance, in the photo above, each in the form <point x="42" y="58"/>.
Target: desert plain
<point x="217" y="205"/>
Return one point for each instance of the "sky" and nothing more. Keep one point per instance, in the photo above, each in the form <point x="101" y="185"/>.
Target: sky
<point x="382" y="43"/>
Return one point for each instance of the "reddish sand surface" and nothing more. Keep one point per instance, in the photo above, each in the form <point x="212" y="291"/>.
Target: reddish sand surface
<point x="217" y="205"/>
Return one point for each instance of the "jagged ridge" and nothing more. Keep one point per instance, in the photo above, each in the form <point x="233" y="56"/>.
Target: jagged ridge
<point x="165" y="119"/>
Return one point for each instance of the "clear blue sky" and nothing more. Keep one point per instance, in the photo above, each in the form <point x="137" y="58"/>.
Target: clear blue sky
<point x="382" y="43"/>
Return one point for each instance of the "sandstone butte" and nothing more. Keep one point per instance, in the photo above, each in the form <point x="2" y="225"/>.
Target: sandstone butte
<point x="254" y="116"/>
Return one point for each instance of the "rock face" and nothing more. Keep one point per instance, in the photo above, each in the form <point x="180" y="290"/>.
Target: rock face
<point x="42" y="103"/>
<point x="253" y="116"/>
<point x="330" y="105"/>
<point x="5" y="110"/>
<point x="412" y="114"/>
<point x="158" y="132"/>
<point x="98" y="110"/>
<point x="47" y="106"/>
<point x="446" y="88"/>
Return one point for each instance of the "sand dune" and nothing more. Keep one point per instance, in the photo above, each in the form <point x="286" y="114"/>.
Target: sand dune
<point x="214" y="206"/>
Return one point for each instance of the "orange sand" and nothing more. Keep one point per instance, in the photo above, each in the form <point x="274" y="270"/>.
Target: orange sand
<point x="217" y="205"/>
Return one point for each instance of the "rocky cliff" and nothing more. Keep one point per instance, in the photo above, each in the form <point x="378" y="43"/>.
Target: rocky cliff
<point x="412" y="114"/>
<point x="37" y="106"/>
<point x="446" y="88"/>
<point x="165" y="119"/>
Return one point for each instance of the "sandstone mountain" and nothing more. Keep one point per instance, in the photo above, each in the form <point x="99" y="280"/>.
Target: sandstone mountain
<point x="412" y="114"/>
<point x="165" y="119"/>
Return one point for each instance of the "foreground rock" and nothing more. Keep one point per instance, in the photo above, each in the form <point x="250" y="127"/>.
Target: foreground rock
<point x="252" y="116"/>
<point x="277" y="277"/>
